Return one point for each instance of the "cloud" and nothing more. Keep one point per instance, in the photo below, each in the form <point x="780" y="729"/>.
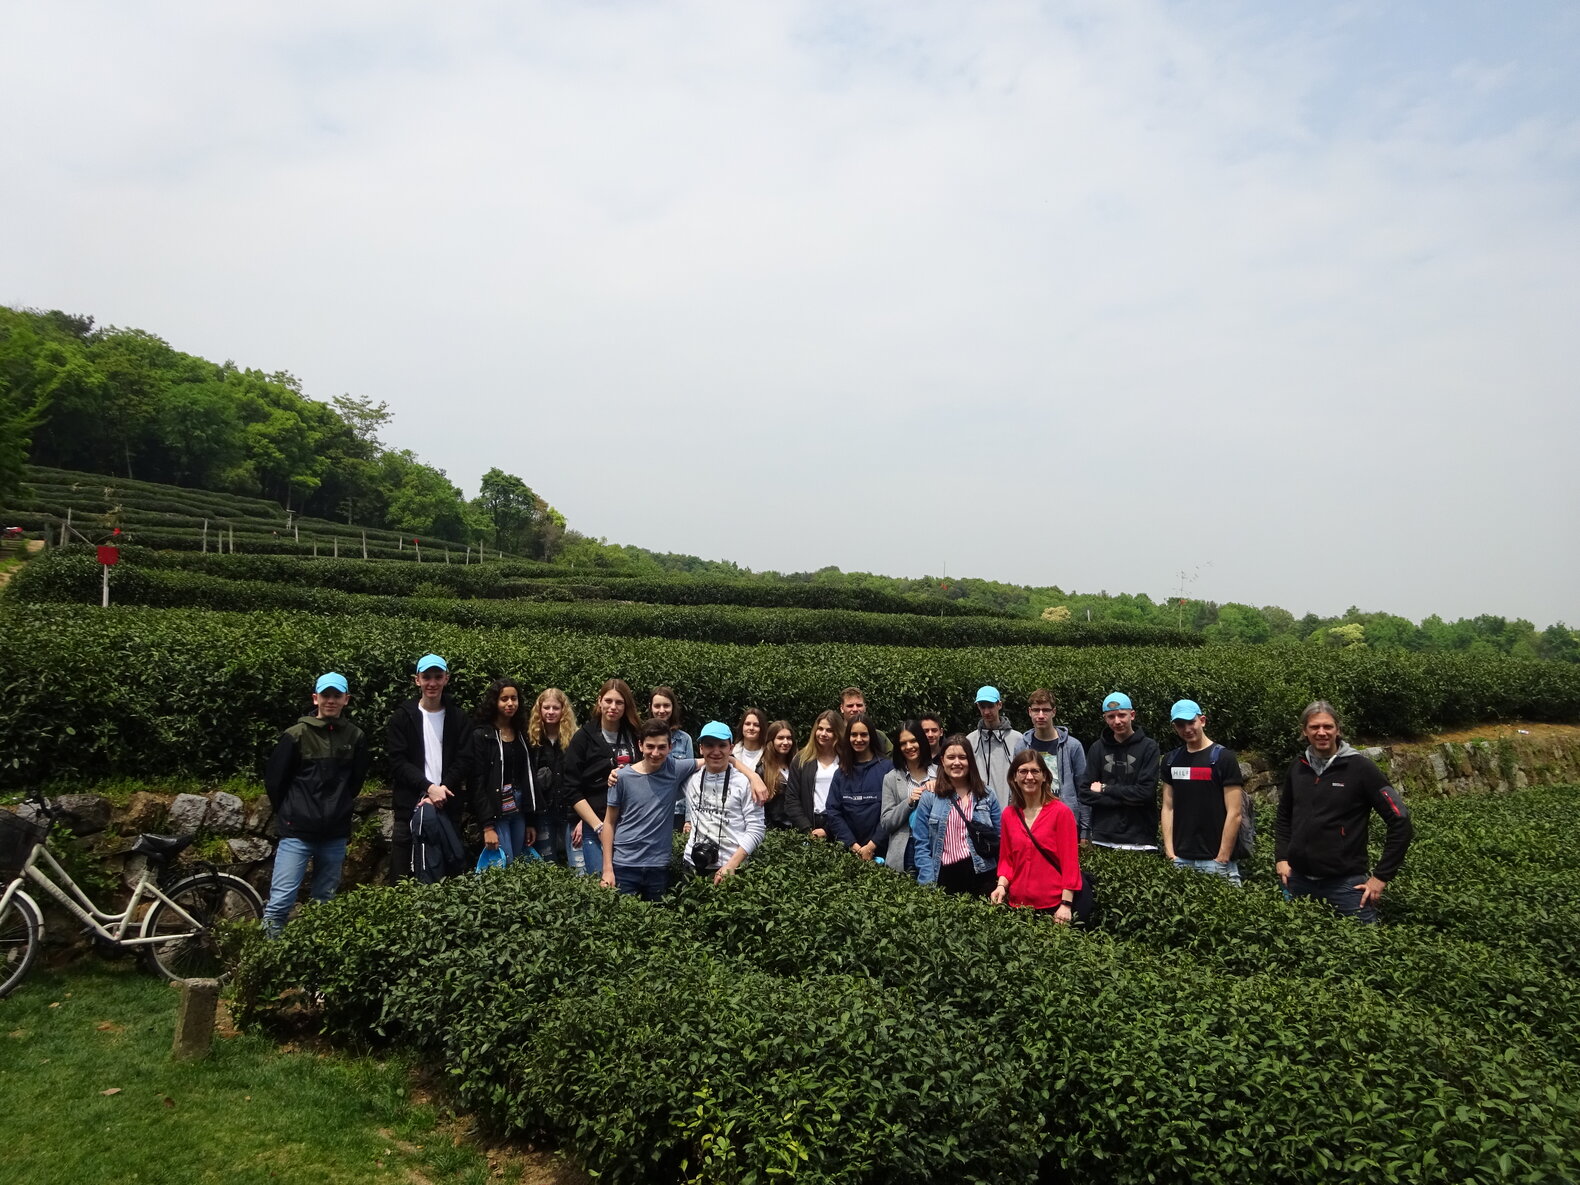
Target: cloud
<point x="1069" y="295"/>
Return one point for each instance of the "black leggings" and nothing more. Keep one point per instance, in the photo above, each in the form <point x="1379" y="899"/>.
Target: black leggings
<point x="961" y="877"/>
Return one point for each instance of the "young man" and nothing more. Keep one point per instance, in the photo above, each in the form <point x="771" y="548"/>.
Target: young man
<point x="1062" y="754"/>
<point x="853" y="703"/>
<point x="1121" y="789"/>
<point x="994" y="743"/>
<point x="313" y="778"/>
<point x="933" y="730"/>
<point x="430" y="748"/>
<point x="1203" y="796"/>
<point x="723" y="799"/>
<point x="638" y="822"/>
<point x="1324" y="807"/>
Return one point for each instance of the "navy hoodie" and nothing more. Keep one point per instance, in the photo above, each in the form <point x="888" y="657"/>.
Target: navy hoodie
<point x="1126" y="812"/>
<point x="855" y="800"/>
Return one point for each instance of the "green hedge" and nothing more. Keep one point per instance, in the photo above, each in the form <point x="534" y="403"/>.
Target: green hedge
<point x="145" y="692"/>
<point x="75" y="578"/>
<point x="820" y="1020"/>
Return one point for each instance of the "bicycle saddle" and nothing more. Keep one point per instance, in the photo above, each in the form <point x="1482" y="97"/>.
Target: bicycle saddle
<point x="160" y="847"/>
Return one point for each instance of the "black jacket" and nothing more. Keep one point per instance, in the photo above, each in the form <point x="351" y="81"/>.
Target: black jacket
<point x="1126" y="812"/>
<point x="1322" y="820"/>
<point x="800" y="796"/>
<point x="408" y="782"/>
<point x="588" y="760"/>
<point x="548" y="775"/>
<point x="314" y="775"/>
<point x="488" y="775"/>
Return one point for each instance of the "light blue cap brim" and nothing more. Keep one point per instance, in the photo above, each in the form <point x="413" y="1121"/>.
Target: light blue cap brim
<point x="988" y="695"/>
<point x="428" y="661"/>
<point x="1185" y="709"/>
<point x="332" y="679"/>
<point x="715" y="730"/>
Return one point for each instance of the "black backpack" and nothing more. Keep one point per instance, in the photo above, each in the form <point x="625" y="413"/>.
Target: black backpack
<point x="1245" y="842"/>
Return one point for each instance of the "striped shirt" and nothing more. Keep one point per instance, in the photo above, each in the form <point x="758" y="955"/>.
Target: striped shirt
<point x="957" y="845"/>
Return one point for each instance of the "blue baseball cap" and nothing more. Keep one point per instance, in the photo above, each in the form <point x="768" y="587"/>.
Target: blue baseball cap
<point x="988" y="695"/>
<point x="429" y="661"/>
<point x="333" y="681"/>
<point x="715" y="730"/>
<point x="1185" y="709"/>
<point x="1116" y="701"/>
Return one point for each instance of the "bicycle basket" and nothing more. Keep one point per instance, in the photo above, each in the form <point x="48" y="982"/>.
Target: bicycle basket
<point x="17" y="837"/>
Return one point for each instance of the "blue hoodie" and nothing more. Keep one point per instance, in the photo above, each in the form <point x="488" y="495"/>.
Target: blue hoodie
<point x="855" y="802"/>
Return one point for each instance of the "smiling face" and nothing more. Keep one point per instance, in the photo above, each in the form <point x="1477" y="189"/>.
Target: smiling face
<point x="715" y="754"/>
<point x="823" y="736"/>
<point x="752" y="729"/>
<point x="860" y="738"/>
<point x="934" y="732"/>
<point x="955" y="762"/>
<point x="1033" y="779"/>
<point x="1322" y="733"/>
<point x="654" y="750"/>
<point x="611" y="707"/>
<point x="783" y="742"/>
<point x="551" y="710"/>
<point x="432" y="683"/>
<point x="1190" y="731"/>
<point x="330" y="703"/>
<point x="662" y="708"/>
<point x="909" y="746"/>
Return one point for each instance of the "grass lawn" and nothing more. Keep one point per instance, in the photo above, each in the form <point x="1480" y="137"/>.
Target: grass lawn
<point x="92" y="1095"/>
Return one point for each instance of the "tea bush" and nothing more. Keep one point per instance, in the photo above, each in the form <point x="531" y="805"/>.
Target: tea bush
<point x="821" y="1020"/>
<point x="149" y="692"/>
<point x="292" y="584"/>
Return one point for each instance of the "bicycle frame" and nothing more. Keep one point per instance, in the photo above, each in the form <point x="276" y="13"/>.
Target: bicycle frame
<point x="112" y="927"/>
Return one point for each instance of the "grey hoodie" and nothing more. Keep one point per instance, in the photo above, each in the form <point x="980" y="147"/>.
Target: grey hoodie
<point x="993" y="749"/>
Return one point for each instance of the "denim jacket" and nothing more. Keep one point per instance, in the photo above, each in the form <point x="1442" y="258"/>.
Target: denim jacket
<point x="927" y="833"/>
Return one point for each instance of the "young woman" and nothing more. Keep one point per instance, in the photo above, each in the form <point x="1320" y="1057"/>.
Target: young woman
<point x="549" y="731"/>
<point x="855" y="797"/>
<point x="778" y="756"/>
<point x="662" y="705"/>
<point x="606" y="743"/>
<point x="1038" y="860"/>
<point x="812" y="776"/>
<point x="946" y="855"/>
<point x="749" y="749"/>
<point x="903" y="787"/>
<point x="504" y="793"/>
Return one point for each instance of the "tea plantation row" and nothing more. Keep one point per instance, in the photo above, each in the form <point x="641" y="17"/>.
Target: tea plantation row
<point x="820" y="1020"/>
<point x="75" y="578"/>
<point x="149" y="692"/>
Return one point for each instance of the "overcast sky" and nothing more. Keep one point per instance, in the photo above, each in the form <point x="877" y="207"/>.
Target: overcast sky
<point x="1279" y="296"/>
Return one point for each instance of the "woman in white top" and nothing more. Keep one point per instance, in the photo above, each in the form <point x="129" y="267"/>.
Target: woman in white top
<point x="813" y="774"/>
<point x="749" y="749"/>
<point x="911" y="777"/>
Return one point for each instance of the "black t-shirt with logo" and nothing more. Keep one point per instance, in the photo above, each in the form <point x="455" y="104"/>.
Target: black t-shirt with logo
<point x="1199" y="812"/>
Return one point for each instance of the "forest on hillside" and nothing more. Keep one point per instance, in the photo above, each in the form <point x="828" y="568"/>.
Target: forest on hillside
<point x="124" y="403"/>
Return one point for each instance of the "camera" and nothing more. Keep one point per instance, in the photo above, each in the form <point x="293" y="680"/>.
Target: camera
<point x="705" y="855"/>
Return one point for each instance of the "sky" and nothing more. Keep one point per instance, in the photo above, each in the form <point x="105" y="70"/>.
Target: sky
<point x="1270" y="303"/>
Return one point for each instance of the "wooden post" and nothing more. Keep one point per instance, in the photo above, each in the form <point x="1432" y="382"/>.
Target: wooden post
<point x="364" y="543"/>
<point x="233" y="539"/>
<point x="65" y="532"/>
<point x="297" y="533"/>
<point x="417" y="546"/>
<point x="315" y="549"/>
<point x="104" y="602"/>
<point x="205" y="536"/>
<point x="336" y="542"/>
<point x="195" y="1020"/>
<point x="447" y="553"/>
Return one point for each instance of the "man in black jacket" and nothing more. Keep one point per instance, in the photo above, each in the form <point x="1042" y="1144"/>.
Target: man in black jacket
<point x="430" y="758"/>
<point x="313" y="778"/>
<point x="1122" y="781"/>
<point x="1324" y="807"/>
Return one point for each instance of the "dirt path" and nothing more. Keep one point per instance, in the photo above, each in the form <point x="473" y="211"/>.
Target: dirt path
<point x="12" y="563"/>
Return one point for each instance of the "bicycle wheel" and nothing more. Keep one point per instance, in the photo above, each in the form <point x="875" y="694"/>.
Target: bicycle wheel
<point x="21" y="934"/>
<point x="208" y="897"/>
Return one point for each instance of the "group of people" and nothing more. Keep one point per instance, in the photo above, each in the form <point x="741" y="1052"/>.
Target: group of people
<point x="997" y="812"/>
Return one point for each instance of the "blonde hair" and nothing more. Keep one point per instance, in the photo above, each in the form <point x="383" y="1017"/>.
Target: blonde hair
<point x="567" y="718"/>
<point x="835" y="721"/>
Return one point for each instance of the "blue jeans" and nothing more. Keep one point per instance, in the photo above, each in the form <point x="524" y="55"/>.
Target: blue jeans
<point x="551" y="833"/>
<point x="290" y="866"/>
<point x="512" y="832"/>
<point x="1338" y="891"/>
<point x="650" y="884"/>
<point x="1229" y="869"/>
<point x="592" y="850"/>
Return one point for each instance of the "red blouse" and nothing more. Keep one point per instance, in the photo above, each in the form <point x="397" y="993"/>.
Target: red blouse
<point x="1033" y="880"/>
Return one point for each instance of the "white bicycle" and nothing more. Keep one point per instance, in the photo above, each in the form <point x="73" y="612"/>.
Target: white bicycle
<point x="175" y="928"/>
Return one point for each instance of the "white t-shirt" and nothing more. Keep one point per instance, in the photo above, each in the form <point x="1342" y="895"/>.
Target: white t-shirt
<point x="825" y="779"/>
<point x="747" y="757"/>
<point x="433" y="746"/>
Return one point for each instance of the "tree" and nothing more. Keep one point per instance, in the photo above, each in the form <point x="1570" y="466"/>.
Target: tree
<point x="510" y="508"/>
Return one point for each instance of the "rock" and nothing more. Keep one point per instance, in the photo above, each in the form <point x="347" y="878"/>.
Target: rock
<point x="1439" y="766"/>
<point x="132" y="869"/>
<point x="259" y="814"/>
<point x="146" y="812"/>
<point x="1376" y="754"/>
<point x="250" y="848"/>
<point x="28" y="811"/>
<point x="85" y="814"/>
<point x="387" y="825"/>
<point x="195" y="1020"/>
<point x="187" y="814"/>
<point x="366" y="804"/>
<point x="227" y="814"/>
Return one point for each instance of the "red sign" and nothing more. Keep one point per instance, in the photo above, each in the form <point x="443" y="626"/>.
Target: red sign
<point x="109" y="556"/>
